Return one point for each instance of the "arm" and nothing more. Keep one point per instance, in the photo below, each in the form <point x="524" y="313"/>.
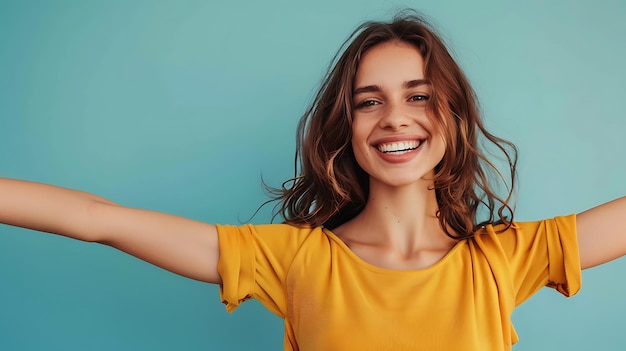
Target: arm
<point x="602" y="233"/>
<point x="180" y="245"/>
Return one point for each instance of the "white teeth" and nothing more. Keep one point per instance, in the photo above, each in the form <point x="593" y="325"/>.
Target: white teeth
<point x="399" y="147"/>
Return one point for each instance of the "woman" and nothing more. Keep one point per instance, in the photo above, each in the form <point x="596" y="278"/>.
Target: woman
<point x="383" y="246"/>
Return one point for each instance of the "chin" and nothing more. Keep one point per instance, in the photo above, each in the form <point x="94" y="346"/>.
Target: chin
<point x="403" y="182"/>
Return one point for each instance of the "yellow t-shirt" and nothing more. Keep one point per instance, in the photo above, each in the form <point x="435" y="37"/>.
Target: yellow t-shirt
<point x="332" y="300"/>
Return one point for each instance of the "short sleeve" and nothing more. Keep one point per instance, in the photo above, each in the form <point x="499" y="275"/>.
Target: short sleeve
<point x="543" y="253"/>
<point x="254" y="261"/>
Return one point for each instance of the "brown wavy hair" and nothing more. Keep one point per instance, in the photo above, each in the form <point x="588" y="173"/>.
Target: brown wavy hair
<point x="330" y="188"/>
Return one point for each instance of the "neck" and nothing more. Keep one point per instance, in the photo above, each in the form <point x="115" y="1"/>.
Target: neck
<point x="402" y="218"/>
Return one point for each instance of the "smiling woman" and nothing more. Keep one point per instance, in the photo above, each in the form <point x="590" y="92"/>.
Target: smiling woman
<point x="398" y="225"/>
<point x="393" y="138"/>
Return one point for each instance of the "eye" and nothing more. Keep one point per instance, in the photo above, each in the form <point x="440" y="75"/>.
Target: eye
<point x="367" y="103"/>
<point x="418" y="98"/>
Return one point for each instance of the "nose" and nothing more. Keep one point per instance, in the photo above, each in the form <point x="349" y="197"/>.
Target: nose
<point x="394" y="118"/>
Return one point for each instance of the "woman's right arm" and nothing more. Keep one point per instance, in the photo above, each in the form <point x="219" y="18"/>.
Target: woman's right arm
<point x="180" y="245"/>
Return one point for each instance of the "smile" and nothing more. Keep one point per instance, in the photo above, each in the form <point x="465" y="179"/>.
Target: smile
<point x="400" y="147"/>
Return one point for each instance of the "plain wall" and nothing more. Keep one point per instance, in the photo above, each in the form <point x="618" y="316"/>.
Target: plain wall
<point x="182" y="106"/>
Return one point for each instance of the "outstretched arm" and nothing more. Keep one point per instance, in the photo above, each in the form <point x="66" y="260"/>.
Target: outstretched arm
<point x="178" y="244"/>
<point x="602" y="233"/>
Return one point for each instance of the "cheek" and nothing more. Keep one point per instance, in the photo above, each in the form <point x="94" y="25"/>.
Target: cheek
<point x="356" y="135"/>
<point x="448" y="132"/>
<point x="360" y="147"/>
<point x="443" y="150"/>
<point x="358" y="150"/>
<point x="440" y="149"/>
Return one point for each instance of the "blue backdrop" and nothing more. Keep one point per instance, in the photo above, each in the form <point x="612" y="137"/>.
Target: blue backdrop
<point x="182" y="106"/>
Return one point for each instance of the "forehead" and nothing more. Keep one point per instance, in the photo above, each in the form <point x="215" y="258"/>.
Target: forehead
<point x="389" y="62"/>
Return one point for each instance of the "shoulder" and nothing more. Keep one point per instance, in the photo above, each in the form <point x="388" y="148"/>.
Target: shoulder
<point x="269" y="229"/>
<point x="277" y="234"/>
<point x="527" y="234"/>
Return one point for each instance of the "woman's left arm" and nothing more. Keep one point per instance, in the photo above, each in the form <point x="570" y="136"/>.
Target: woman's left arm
<point x="602" y="233"/>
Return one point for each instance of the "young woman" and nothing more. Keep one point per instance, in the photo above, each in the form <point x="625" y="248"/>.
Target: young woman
<point x="393" y="237"/>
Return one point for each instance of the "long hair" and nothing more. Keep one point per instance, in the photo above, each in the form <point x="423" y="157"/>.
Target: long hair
<point x="329" y="188"/>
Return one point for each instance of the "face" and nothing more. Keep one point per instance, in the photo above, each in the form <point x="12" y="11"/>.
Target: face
<point x="393" y="139"/>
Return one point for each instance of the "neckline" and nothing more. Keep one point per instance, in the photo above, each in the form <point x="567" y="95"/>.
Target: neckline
<point x="378" y="269"/>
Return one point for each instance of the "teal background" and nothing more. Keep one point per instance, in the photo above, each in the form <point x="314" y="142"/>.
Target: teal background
<point x="182" y="106"/>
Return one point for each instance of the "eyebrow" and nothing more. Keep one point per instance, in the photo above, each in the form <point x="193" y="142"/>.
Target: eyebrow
<point x="407" y="85"/>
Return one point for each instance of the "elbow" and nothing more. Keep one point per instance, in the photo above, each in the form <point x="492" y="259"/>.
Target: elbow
<point x="95" y="224"/>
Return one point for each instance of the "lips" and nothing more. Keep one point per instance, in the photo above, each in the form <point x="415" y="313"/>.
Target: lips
<point x="399" y="147"/>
